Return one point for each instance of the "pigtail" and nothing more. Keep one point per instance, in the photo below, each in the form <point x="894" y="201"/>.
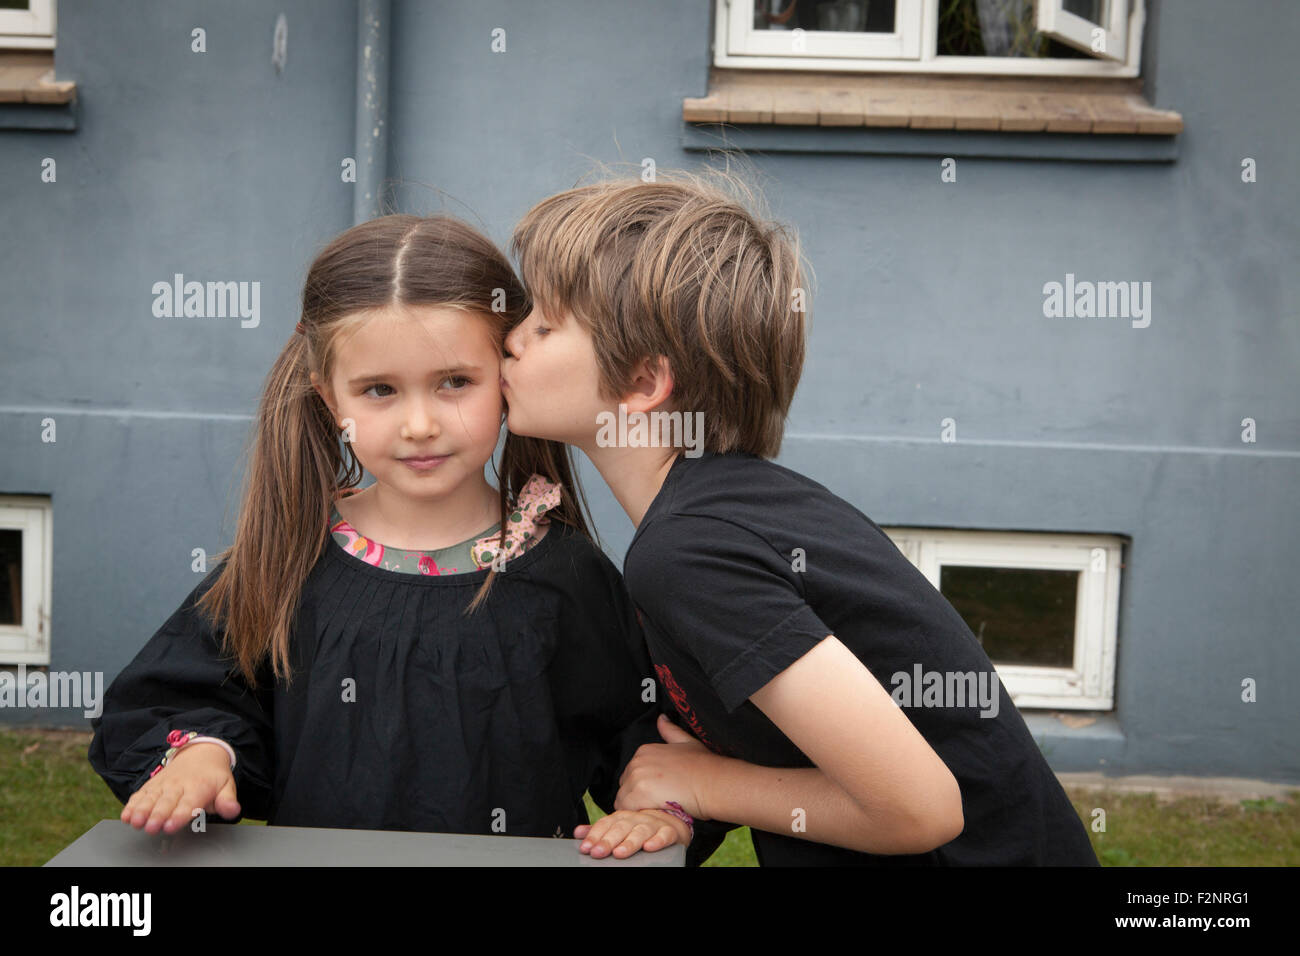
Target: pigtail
<point x="521" y="458"/>
<point x="293" y="474"/>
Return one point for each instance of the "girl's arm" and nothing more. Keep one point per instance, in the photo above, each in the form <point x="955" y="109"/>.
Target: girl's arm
<point x="878" y="787"/>
<point x="603" y="677"/>
<point x="179" y="681"/>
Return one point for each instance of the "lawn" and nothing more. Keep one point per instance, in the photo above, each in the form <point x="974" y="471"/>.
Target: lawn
<point x="51" y="796"/>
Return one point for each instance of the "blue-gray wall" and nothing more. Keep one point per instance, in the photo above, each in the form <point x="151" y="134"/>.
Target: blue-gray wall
<point x="929" y="305"/>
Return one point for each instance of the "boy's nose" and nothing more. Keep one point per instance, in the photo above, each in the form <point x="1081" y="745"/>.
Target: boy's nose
<point x="511" y="343"/>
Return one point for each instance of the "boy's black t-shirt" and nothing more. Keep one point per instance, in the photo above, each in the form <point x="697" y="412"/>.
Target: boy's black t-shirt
<point x="741" y="566"/>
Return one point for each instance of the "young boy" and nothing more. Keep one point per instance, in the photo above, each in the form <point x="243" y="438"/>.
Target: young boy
<point x="777" y="615"/>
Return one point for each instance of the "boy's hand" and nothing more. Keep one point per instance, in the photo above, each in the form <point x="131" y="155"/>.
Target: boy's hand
<point x="676" y="770"/>
<point x="624" y="832"/>
<point x="198" y="775"/>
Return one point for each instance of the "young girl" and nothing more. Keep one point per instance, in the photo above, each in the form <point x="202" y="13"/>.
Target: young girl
<point x="776" y="613"/>
<point x="424" y="654"/>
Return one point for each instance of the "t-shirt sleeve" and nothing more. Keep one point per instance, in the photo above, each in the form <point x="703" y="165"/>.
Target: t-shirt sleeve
<point x="727" y="597"/>
<point x="180" y="681"/>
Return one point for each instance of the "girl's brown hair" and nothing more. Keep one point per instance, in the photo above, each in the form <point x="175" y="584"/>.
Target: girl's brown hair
<point x="297" y="463"/>
<point x="689" y="267"/>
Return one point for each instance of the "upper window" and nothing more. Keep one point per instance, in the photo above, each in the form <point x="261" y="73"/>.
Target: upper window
<point x="1042" y="37"/>
<point x="27" y="24"/>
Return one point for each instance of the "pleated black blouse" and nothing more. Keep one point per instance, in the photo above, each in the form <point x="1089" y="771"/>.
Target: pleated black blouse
<point x="403" y="713"/>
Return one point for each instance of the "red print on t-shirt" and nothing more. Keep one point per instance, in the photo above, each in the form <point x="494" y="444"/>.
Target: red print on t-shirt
<point x="683" y="705"/>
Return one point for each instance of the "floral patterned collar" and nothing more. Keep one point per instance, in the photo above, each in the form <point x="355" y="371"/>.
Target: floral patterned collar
<point x="536" y="498"/>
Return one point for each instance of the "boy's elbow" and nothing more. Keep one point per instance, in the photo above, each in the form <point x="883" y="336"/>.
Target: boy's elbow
<point x="940" y="821"/>
<point x="946" y="820"/>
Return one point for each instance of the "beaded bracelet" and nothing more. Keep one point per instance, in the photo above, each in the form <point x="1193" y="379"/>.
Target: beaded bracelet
<point x="179" y="738"/>
<point x="676" y="810"/>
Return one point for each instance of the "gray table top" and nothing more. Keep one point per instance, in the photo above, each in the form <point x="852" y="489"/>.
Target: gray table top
<point x="114" y="843"/>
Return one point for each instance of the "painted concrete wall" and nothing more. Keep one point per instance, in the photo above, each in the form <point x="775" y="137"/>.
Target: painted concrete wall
<point x="928" y="306"/>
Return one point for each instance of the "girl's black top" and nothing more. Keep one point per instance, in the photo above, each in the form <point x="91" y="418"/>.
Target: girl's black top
<point x="402" y="713"/>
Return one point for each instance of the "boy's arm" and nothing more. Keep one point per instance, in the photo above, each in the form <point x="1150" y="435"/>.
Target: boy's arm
<point x="888" y="794"/>
<point x="735" y="603"/>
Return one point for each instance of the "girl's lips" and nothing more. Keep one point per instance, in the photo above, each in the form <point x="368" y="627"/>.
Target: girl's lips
<point x="424" y="464"/>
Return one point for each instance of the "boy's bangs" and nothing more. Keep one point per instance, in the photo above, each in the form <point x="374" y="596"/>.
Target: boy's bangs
<point x="556" y="252"/>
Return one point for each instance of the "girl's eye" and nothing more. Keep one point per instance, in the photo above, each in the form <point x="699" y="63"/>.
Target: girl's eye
<point x="380" y="385"/>
<point x="458" y="378"/>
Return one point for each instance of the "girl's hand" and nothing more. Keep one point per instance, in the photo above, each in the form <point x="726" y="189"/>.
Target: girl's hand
<point x="676" y="770"/>
<point x="197" y="776"/>
<point x="624" y="832"/>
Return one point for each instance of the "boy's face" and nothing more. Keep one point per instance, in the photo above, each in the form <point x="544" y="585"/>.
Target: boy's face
<point x="550" y="380"/>
<point x="423" y="381"/>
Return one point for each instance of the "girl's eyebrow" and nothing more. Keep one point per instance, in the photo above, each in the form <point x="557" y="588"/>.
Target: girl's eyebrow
<point x="370" y="378"/>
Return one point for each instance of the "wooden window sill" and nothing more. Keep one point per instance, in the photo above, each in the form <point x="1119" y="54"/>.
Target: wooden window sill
<point x="27" y="76"/>
<point x="989" y="103"/>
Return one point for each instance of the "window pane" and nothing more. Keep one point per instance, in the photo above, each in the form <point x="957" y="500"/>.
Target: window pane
<point x="1095" y="11"/>
<point x="11" y="574"/>
<point x="1019" y="615"/>
<point x="997" y="28"/>
<point x="839" y="16"/>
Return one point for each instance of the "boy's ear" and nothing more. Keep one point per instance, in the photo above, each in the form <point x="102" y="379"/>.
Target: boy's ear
<point x="652" y="384"/>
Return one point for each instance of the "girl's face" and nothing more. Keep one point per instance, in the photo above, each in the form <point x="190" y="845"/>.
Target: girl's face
<point x="550" y="380"/>
<point x="419" y="382"/>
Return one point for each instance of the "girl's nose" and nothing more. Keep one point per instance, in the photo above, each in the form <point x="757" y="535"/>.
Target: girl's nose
<point x="420" y="423"/>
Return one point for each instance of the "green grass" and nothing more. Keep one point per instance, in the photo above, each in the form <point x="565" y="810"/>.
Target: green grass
<point x="51" y="796"/>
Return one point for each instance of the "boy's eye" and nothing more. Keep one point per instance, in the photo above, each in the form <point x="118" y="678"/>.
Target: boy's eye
<point x="542" y="330"/>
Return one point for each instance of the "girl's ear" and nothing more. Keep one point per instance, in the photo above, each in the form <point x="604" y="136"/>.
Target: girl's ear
<point x="325" y="392"/>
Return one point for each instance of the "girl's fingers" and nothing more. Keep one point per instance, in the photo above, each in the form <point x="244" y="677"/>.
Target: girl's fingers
<point x="139" y="807"/>
<point x="612" y="837"/>
<point x="635" y="839"/>
<point x="184" y="812"/>
<point x="594" y="832"/>
<point x="666" y="836"/>
<point x="226" y="802"/>
<point x="162" y="809"/>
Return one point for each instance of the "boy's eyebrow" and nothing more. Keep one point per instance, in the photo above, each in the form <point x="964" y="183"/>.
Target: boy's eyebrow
<point x="388" y="376"/>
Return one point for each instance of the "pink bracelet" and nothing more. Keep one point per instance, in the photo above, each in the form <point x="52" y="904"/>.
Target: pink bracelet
<point x="676" y="810"/>
<point x="179" y="738"/>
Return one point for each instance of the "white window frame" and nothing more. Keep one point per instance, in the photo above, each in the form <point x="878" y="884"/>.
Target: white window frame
<point x="1089" y="683"/>
<point x="31" y="29"/>
<point x="28" y="643"/>
<point x="911" y="48"/>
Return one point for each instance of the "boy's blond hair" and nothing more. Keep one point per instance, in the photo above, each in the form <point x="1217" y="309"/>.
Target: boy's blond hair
<point x="680" y="267"/>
